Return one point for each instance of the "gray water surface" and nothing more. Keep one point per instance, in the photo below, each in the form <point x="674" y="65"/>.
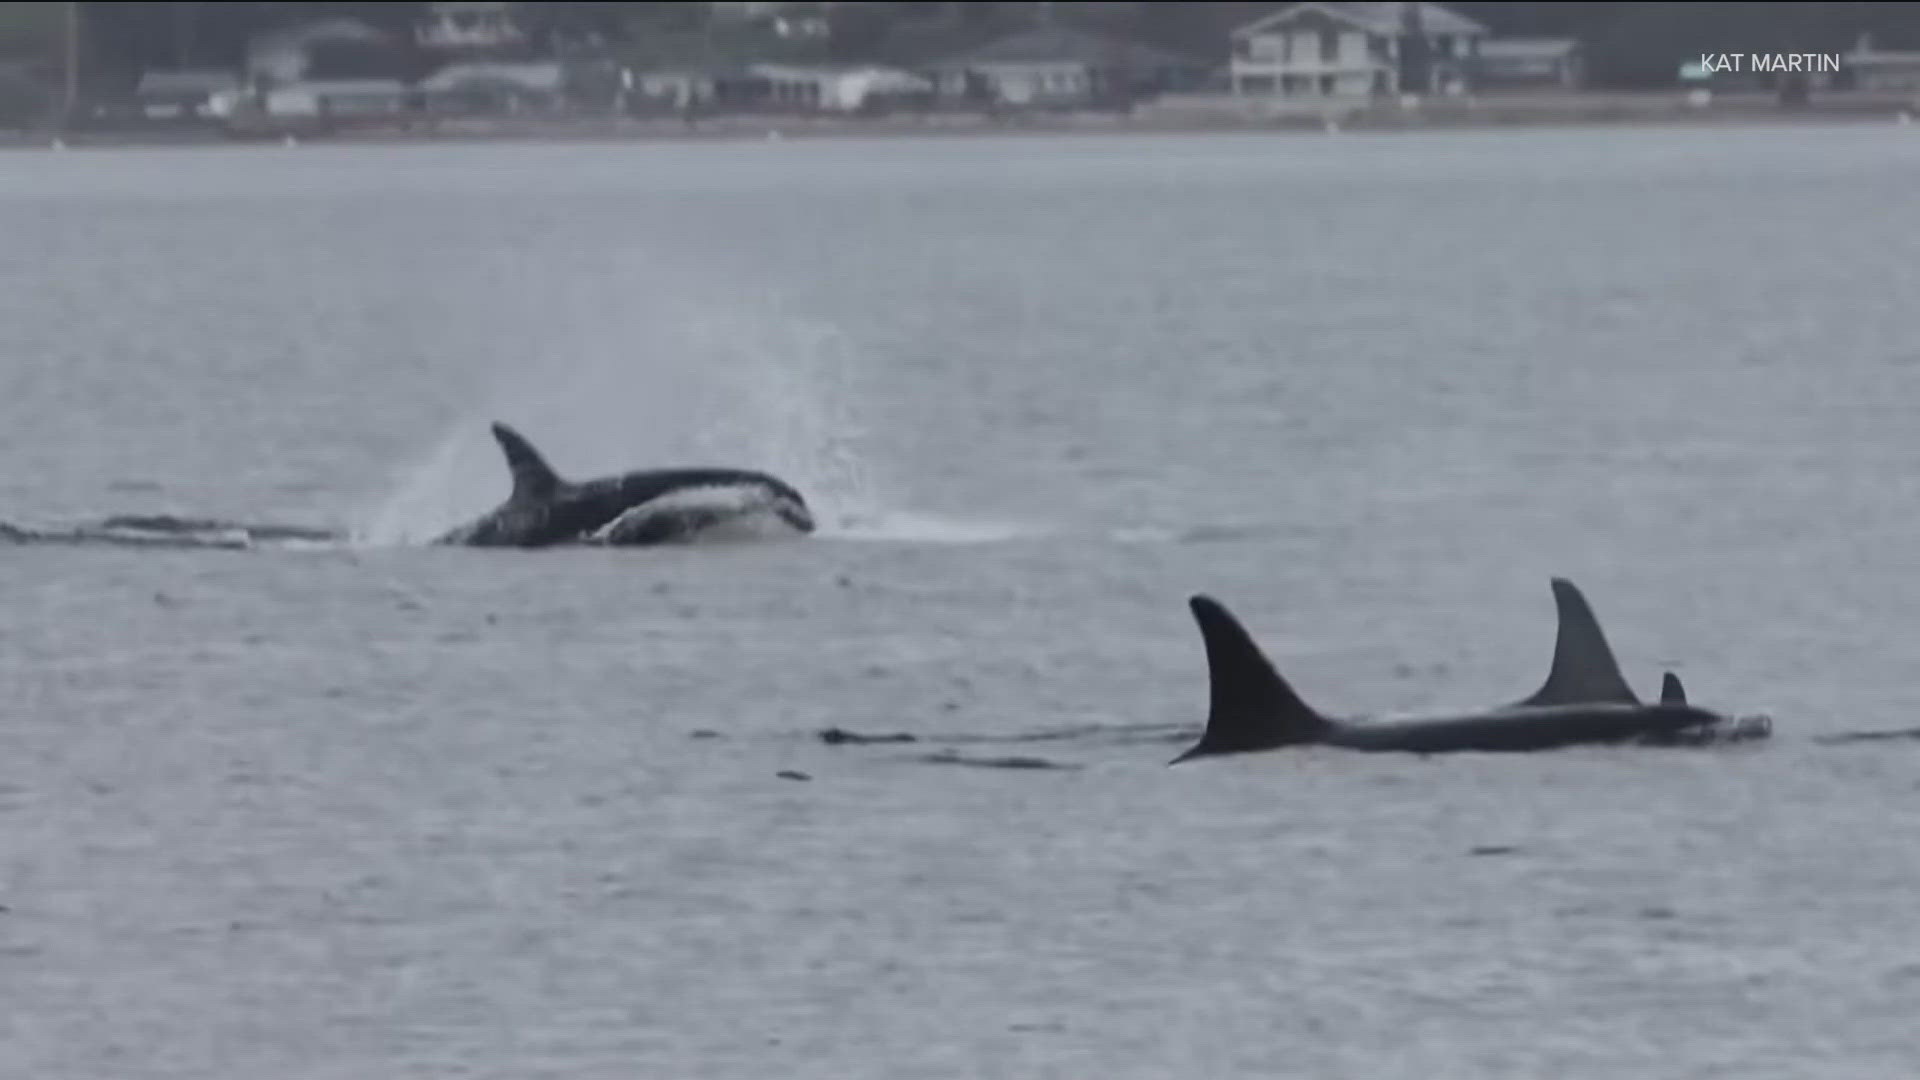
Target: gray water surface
<point x="379" y="810"/>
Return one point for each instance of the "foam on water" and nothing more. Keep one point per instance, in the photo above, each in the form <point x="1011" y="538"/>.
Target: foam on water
<point x="925" y="528"/>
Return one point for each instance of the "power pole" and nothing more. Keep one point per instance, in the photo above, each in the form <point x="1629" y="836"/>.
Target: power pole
<point x="71" y="96"/>
<point x="184" y="19"/>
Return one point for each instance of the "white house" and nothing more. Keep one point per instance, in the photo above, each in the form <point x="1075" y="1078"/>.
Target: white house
<point x="184" y="92"/>
<point x="835" y="89"/>
<point x="472" y="25"/>
<point x="1355" y="50"/>
<point x="339" y="98"/>
<point x="497" y="86"/>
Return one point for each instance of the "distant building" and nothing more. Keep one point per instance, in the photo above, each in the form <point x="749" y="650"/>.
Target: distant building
<point x="294" y="53"/>
<point x="1063" y="67"/>
<point x="491" y="87"/>
<point x="673" y="88"/>
<point x="1868" y="68"/>
<point x="1529" y="62"/>
<point x="357" y="98"/>
<point x="472" y="26"/>
<point x="688" y="89"/>
<point x="838" y="89"/>
<point x="1355" y="50"/>
<point x="182" y="94"/>
<point x="824" y="88"/>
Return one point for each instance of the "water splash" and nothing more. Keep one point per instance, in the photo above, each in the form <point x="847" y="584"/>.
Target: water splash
<point x="688" y="384"/>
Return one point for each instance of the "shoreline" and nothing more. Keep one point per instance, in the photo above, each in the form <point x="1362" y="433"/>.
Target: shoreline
<point x="1189" y="115"/>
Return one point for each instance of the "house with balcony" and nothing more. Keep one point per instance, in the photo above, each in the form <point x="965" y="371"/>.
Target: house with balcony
<point x="1355" y="50"/>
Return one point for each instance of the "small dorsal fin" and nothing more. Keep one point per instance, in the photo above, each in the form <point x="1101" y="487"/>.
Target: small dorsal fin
<point x="533" y="478"/>
<point x="1584" y="670"/>
<point x="1252" y="707"/>
<point x="1671" y="692"/>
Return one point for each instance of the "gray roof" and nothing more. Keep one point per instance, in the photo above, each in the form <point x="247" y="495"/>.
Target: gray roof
<point x="187" y="81"/>
<point x="1527" y="48"/>
<point x="1066" y="45"/>
<point x="543" y="75"/>
<point x="1375" y="16"/>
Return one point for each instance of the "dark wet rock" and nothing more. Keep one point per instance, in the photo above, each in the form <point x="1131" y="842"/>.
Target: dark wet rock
<point x="1493" y="849"/>
<point x="841" y="737"/>
<point x="704" y="733"/>
<point x="949" y="757"/>
<point x="790" y="774"/>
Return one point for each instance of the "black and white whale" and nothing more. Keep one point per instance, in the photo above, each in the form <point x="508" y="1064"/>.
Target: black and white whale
<point x="647" y="506"/>
<point x="1252" y="708"/>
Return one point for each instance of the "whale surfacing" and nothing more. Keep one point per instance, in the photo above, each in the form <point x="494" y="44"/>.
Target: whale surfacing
<point x="1585" y="701"/>
<point x="643" y="507"/>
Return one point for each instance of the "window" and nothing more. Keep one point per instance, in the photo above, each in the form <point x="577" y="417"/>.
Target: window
<point x="1442" y="45"/>
<point x="1329" y="44"/>
<point x="1326" y="85"/>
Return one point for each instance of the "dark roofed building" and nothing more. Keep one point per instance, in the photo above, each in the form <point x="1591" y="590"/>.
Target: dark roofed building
<point x="185" y="92"/>
<point x="1063" y="67"/>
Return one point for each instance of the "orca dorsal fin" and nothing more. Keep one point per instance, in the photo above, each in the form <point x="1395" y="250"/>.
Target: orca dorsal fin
<point x="1671" y="692"/>
<point x="1251" y="707"/>
<point x="533" y="478"/>
<point x="1584" y="670"/>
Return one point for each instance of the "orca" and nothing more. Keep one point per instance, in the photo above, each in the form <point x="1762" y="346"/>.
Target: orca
<point x="648" y="506"/>
<point x="1583" y="668"/>
<point x="1253" y="709"/>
